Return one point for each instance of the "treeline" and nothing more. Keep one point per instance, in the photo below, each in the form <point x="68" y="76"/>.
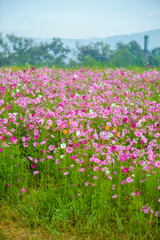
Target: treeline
<point x="24" y="51"/>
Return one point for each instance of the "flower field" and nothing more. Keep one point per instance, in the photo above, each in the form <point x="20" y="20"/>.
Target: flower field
<point x="80" y="150"/>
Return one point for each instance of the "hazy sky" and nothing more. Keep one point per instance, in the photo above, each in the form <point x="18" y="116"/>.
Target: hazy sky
<point x="78" y="18"/>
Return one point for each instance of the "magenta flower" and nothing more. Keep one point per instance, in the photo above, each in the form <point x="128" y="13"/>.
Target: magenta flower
<point x="3" y="138"/>
<point x="113" y="148"/>
<point x="123" y="158"/>
<point x="13" y="139"/>
<point x="125" y="170"/>
<point x="34" y="165"/>
<point x="124" y="120"/>
<point x="138" y="193"/>
<point x="23" y="189"/>
<point x="133" y="125"/>
<point x="36" y="137"/>
<point x="71" y="95"/>
<point x="84" y="141"/>
<point x="0" y="149"/>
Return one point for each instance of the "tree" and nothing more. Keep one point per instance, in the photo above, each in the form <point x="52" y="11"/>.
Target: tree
<point x="98" y="51"/>
<point x="154" y="57"/>
<point x="4" y="50"/>
<point x="58" y="51"/>
<point x="19" y="49"/>
<point x="135" y="49"/>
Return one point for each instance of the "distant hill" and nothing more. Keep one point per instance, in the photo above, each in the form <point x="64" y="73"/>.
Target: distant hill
<point x="153" y="41"/>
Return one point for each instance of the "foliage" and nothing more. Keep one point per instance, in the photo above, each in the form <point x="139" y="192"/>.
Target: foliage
<point x="19" y="51"/>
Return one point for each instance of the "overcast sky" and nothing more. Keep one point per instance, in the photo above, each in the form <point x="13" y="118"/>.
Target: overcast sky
<point x="78" y="18"/>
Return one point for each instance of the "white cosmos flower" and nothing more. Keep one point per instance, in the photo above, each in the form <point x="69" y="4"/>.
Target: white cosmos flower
<point x="62" y="156"/>
<point x="63" y="145"/>
<point x="113" y="105"/>
<point x="107" y="171"/>
<point x="77" y="133"/>
<point x="110" y="135"/>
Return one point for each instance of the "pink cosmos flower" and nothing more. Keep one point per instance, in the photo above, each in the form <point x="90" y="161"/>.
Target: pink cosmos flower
<point x="132" y="194"/>
<point x="66" y="173"/>
<point x="49" y="122"/>
<point x="86" y="184"/>
<point x="95" y="177"/>
<point x="151" y="157"/>
<point x="115" y="196"/>
<point x="36" y="137"/>
<point x="69" y="149"/>
<point x="13" y="139"/>
<point x="137" y="133"/>
<point x="35" y="144"/>
<point x="96" y="168"/>
<point x="25" y="144"/>
<point x="0" y="149"/>
<point x="51" y="147"/>
<point x="57" y="161"/>
<point x="36" y="132"/>
<point x="82" y="170"/>
<point x="123" y="158"/>
<point x="157" y="164"/>
<point x="71" y="95"/>
<point x="129" y="179"/>
<point x="35" y="172"/>
<point x="23" y="189"/>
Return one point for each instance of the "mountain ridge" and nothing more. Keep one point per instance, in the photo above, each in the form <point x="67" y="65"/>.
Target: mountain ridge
<point x="153" y="41"/>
